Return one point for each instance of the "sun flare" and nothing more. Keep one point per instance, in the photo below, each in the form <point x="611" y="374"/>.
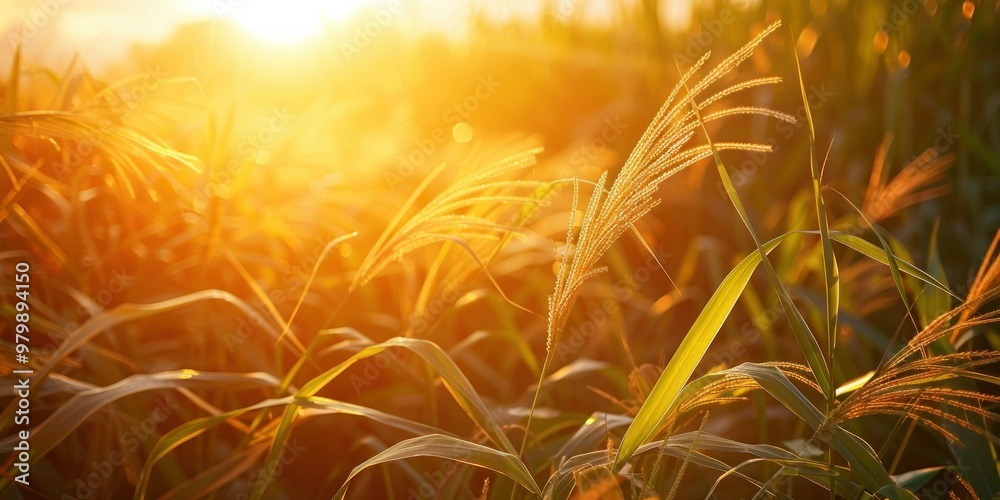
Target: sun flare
<point x="292" y="21"/>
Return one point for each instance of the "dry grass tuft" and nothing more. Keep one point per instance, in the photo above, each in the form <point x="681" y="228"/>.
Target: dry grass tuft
<point x="915" y="385"/>
<point x="987" y="278"/>
<point x="464" y="210"/>
<point x="910" y="186"/>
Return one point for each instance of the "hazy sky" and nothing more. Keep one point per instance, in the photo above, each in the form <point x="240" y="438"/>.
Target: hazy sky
<point x="51" y="31"/>
<point x="54" y="29"/>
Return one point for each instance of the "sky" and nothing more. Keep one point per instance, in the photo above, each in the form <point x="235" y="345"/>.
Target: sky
<point x="50" y="32"/>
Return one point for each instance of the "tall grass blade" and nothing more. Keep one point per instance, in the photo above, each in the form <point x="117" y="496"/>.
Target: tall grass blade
<point x="803" y="335"/>
<point x="13" y="82"/>
<point x="933" y="302"/>
<point x="454" y="380"/>
<point x="450" y="448"/>
<point x="315" y="406"/>
<point x="125" y="313"/>
<point x="831" y="275"/>
<point x="664" y="396"/>
<point x="859" y="455"/>
<point x="81" y="406"/>
<point x="893" y="263"/>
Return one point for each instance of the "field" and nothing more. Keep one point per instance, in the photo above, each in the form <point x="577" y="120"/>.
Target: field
<point x="554" y="249"/>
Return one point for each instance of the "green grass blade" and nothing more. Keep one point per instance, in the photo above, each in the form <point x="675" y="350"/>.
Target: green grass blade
<point x="803" y="335"/>
<point x="891" y="259"/>
<point x="879" y="255"/>
<point x="186" y="432"/>
<point x="122" y="314"/>
<point x="450" y="448"/>
<point x="465" y="395"/>
<point x="933" y="302"/>
<point x="131" y="312"/>
<point x="976" y="455"/>
<point x="192" y="429"/>
<point x="454" y="380"/>
<point x="218" y="475"/>
<point x="893" y="263"/>
<point x="664" y="396"/>
<point x="69" y="416"/>
<point x="281" y="435"/>
<point x="831" y="275"/>
<point x="858" y="454"/>
<point x="561" y="483"/>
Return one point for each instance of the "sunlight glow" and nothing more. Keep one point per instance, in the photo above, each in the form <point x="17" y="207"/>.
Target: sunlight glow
<point x="292" y="21"/>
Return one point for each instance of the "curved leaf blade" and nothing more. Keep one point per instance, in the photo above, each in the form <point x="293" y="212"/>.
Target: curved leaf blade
<point x="451" y="448"/>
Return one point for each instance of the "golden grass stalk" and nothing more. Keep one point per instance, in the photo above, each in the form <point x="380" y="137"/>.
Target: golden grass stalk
<point x="659" y="154"/>
<point x="987" y="278"/>
<point x="916" y="386"/>
<point x="450" y="216"/>
<point x="884" y="198"/>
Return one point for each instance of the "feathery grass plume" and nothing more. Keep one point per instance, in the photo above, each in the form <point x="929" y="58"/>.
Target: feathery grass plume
<point x="717" y="389"/>
<point x="730" y="387"/>
<point x="868" y="289"/>
<point x="942" y="326"/>
<point x="446" y="279"/>
<point x="486" y="489"/>
<point x="680" y="473"/>
<point x="661" y="152"/>
<point x="917" y="390"/>
<point x="987" y="278"/>
<point x="884" y="198"/>
<point x="462" y="211"/>
<point x="915" y="386"/>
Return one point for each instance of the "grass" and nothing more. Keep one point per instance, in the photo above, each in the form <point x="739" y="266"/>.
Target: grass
<point x="335" y="318"/>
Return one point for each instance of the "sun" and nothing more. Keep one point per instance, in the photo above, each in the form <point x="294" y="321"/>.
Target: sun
<point x="291" y="21"/>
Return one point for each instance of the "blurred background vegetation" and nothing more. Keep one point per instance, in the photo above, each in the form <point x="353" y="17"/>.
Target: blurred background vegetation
<point x="300" y="143"/>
